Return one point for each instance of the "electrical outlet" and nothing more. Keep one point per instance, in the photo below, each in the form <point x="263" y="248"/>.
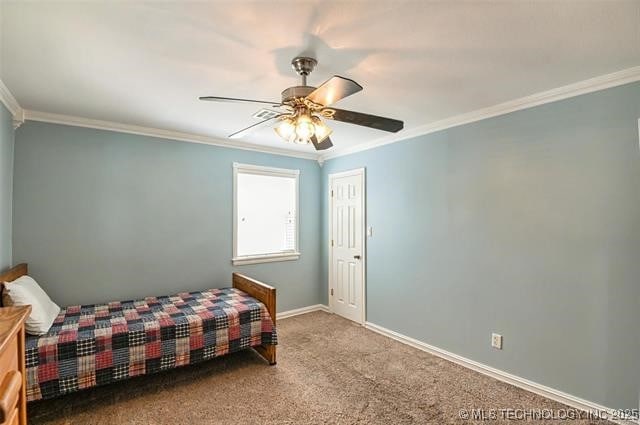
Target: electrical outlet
<point x="369" y="231"/>
<point x="496" y="341"/>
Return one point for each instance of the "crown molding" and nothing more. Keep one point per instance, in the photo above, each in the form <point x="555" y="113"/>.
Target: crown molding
<point x="571" y="90"/>
<point x="12" y="105"/>
<point x="159" y="133"/>
<point x="20" y="115"/>
<point x="18" y="119"/>
<point x="590" y="85"/>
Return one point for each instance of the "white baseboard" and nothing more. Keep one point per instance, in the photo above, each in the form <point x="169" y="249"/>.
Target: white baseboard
<point x="500" y="375"/>
<point x="302" y="310"/>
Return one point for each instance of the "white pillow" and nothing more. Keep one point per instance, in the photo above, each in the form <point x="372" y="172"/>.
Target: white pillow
<point x="25" y="291"/>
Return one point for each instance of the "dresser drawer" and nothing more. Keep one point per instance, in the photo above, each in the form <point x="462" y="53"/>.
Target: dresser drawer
<point x="13" y="400"/>
<point x="10" y="388"/>
<point x="9" y="358"/>
<point x="10" y="383"/>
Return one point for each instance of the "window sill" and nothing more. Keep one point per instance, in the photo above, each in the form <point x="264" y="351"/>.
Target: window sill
<point x="257" y="259"/>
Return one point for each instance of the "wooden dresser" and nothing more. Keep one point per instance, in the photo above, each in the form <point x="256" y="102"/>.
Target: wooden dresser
<point x="13" y="397"/>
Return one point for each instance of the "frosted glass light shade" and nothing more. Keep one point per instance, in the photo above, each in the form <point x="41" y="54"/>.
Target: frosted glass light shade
<point x="286" y="129"/>
<point x="322" y="131"/>
<point x="304" y="128"/>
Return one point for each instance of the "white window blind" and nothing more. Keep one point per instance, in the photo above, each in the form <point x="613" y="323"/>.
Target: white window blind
<point x="265" y="214"/>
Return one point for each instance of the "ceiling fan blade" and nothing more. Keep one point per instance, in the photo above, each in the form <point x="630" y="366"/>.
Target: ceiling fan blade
<point x="334" y="89"/>
<point x="247" y="130"/>
<point x="233" y="99"/>
<point x="324" y="145"/>
<point x="366" y="120"/>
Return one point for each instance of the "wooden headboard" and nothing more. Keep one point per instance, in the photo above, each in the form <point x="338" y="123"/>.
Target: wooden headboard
<point x="14" y="273"/>
<point x="11" y="275"/>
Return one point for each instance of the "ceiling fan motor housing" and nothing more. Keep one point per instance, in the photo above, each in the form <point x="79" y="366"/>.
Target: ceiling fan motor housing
<point x="296" y="92"/>
<point x="303" y="66"/>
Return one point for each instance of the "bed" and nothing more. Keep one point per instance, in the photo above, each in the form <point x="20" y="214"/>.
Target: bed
<point x="93" y="345"/>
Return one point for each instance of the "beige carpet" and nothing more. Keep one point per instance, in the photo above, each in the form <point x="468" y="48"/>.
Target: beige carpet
<point x="330" y="371"/>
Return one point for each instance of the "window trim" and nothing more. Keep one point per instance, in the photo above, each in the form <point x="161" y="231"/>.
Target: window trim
<point x="264" y="171"/>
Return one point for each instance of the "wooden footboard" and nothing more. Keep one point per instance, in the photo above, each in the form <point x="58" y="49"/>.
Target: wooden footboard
<point x="265" y="294"/>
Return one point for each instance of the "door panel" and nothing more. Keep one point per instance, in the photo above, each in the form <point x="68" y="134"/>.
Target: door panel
<point x="347" y="214"/>
<point x="340" y="281"/>
<point x="352" y="227"/>
<point x="352" y="285"/>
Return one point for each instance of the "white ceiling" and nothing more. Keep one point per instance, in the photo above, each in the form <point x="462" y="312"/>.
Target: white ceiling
<point x="146" y="63"/>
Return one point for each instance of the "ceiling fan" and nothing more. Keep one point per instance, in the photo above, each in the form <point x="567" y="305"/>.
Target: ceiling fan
<point x="302" y="110"/>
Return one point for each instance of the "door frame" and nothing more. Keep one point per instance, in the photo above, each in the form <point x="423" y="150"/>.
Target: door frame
<point x="363" y="177"/>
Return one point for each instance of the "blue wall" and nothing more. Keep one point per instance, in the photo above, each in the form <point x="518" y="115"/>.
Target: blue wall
<point x="6" y="184"/>
<point x="528" y="225"/>
<point x="101" y="215"/>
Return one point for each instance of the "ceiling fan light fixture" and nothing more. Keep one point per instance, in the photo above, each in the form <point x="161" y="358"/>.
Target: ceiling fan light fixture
<point x="303" y="108"/>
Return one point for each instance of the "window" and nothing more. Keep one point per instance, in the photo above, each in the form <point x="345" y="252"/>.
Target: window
<point x="265" y="214"/>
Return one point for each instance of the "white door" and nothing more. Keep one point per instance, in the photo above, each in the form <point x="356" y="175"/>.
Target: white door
<point x="346" y="284"/>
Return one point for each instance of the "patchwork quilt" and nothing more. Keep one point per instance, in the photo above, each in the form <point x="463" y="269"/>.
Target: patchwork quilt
<point x="92" y="345"/>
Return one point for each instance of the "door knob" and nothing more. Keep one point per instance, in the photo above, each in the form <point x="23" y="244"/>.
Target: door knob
<point x="357" y="257"/>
